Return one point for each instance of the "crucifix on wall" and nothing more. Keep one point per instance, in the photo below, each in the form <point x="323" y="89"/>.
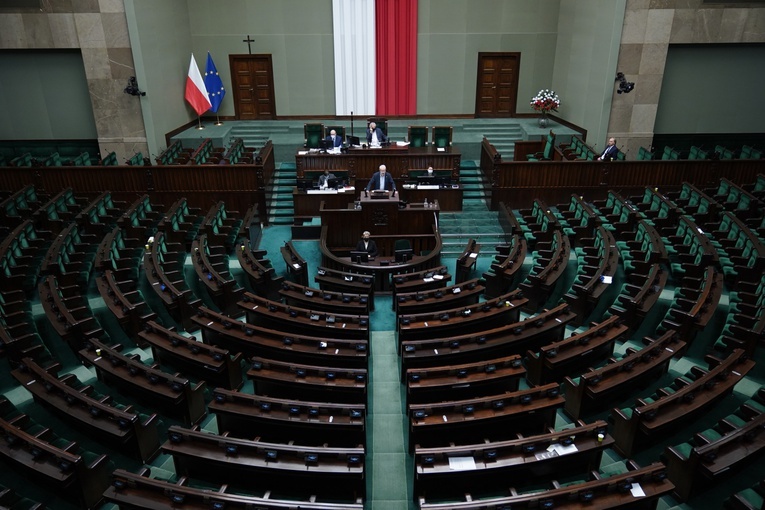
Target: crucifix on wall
<point x="249" y="44"/>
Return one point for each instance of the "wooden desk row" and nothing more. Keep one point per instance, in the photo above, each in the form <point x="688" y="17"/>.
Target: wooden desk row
<point x="283" y="419"/>
<point x="267" y="465"/>
<point x="514" y="338"/>
<point x="138" y="490"/>
<point x="280" y="344"/>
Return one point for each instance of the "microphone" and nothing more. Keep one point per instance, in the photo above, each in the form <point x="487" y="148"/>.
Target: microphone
<point x="351" y="122"/>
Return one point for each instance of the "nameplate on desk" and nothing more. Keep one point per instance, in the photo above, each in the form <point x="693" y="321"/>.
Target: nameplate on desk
<point x="321" y="191"/>
<point x="428" y="186"/>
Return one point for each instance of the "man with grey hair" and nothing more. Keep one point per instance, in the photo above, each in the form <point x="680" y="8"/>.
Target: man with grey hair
<point x="366" y="244"/>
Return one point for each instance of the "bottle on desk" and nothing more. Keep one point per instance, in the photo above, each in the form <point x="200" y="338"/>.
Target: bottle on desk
<point x="425" y="205"/>
<point x="435" y="204"/>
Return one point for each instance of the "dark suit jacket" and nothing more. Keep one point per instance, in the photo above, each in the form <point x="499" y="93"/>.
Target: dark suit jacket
<point x="338" y="140"/>
<point x="374" y="182"/>
<point x="371" y="248"/>
<point x="380" y="136"/>
<point x="610" y="153"/>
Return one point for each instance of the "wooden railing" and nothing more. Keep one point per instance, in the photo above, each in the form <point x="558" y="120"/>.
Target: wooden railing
<point x="518" y="183"/>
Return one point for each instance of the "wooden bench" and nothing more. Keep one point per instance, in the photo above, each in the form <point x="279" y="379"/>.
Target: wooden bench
<point x="267" y="313"/>
<point x="211" y="266"/>
<point x="324" y="300"/>
<point x="611" y="491"/>
<point x="126" y="303"/>
<point x="532" y="333"/>
<point x="207" y="362"/>
<point x="457" y="321"/>
<point x="716" y="452"/>
<point x="168" y="283"/>
<point x="525" y="460"/>
<point x="260" y="272"/>
<point x="550" y="261"/>
<point x="341" y="281"/>
<point x="651" y="417"/>
<point x="121" y="426"/>
<point x="296" y="380"/>
<point x="140" y="491"/>
<point x="573" y="355"/>
<point x="66" y="468"/>
<point x="596" y="387"/>
<point x="464" y="294"/>
<point x="175" y="395"/>
<point x="285" y="345"/>
<point x="68" y="312"/>
<point x="420" y="281"/>
<point x="238" y="461"/>
<point x="297" y="267"/>
<point x="468" y="380"/>
<point x="467" y="261"/>
<point x="282" y="419"/>
<point x="491" y="417"/>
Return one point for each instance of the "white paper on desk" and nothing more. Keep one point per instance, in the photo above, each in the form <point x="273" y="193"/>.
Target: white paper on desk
<point x="438" y="277"/>
<point x="427" y="279"/>
<point x="296" y="266"/>
<point x="302" y="153"/>
<point x="473" y="255"/>
<point x="637" y="490"/>
<point x="545" y="455"/>
<point x="441" y="149"/>
<point x="402" y="144"/>
<point x="563" y="450"/>
<point x="461" y="463"/>
<point x="606" y="279"/>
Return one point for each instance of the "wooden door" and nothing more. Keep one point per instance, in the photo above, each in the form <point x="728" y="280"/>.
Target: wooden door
<point x="252" y="78"/>
<point x="497" y="89"/>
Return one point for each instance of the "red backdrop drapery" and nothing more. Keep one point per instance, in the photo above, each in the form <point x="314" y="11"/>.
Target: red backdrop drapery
<point x="396" y="57"/>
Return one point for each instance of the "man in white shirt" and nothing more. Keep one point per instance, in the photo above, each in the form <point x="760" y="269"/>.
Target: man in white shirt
<point x="375" y="136"/>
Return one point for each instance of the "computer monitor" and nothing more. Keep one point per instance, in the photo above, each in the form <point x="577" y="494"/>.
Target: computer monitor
<point x="352" y="140"/>
<point x="325" y="144"/>
<point x="334" y="182"/>
<point x="304" y="184"/>
<point x="359" y="256"/>
<point x="432" y="179"/>
<point x="403" y="255"/>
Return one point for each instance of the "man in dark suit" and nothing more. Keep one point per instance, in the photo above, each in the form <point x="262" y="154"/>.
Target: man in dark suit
<point x="368" y="245"/>
<point x="610" y="151"/>
<point x="375" y="136"/>
<point x="381" y="180"/>
<point x="333" y="140"/>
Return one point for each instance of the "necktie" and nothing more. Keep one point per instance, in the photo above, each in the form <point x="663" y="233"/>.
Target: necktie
<point x="382" y="182"/>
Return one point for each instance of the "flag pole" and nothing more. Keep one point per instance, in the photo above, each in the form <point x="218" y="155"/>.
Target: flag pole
<point x="199" y="119"/>
<point x="217" y="120"/>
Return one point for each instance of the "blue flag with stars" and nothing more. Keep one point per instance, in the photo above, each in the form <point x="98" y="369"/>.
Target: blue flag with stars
<point x="214" y="84"/>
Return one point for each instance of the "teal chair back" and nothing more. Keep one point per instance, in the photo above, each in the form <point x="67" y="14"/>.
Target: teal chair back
<point x="442" y="136"/>
<point x="313" y="135"/>
<point x="417" y="136"/>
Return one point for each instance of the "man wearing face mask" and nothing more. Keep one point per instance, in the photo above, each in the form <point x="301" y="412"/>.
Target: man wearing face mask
<point x="366" y="244"/>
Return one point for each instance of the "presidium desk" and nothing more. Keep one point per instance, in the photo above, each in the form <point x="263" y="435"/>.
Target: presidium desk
<point x="358" y="165"/>
<point x="388" y="221"/>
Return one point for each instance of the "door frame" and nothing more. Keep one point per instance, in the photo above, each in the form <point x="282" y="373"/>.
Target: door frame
<point x="252" y="56"/>
<point x="482" y="54"/>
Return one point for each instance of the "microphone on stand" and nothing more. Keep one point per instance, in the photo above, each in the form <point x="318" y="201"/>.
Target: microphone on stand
<point x="351" y="122"/>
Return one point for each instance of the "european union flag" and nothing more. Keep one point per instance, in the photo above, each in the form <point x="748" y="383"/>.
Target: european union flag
<point x="214" y="84"/>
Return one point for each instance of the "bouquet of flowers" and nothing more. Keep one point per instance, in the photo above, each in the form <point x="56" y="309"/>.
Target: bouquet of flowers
<point x="545" y="101"/>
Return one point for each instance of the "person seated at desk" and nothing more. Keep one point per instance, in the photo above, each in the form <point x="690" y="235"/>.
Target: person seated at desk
<point x="333" y="140"/>
<point x="381" y="180"/>
<point x="324" y="179"/>
<point x="375" y="136"/>
<point x="430" y="172"/>
<point x="366" y="244"/>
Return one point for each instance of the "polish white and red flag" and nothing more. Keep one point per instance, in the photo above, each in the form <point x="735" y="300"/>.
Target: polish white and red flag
<point x="196" y="92"/>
